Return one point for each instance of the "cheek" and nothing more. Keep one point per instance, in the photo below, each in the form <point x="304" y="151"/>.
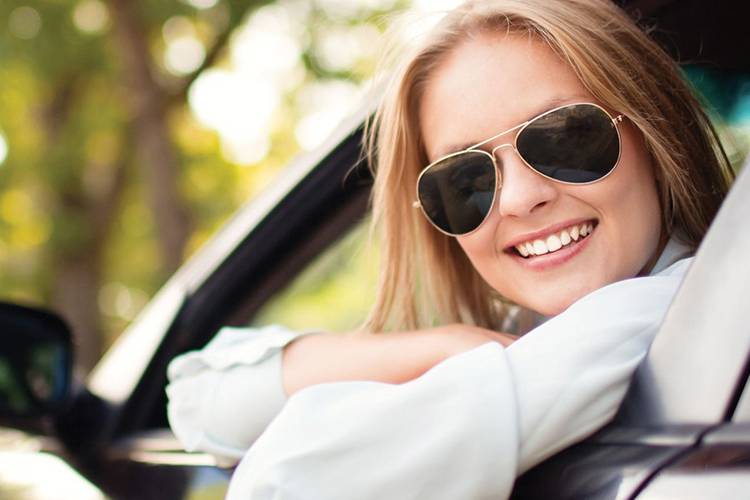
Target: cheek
<point x="633" y="203"/>
<point x="479" y="248"/>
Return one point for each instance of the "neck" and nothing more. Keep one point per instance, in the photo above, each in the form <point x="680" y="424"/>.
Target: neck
<point x="663" y="239"/>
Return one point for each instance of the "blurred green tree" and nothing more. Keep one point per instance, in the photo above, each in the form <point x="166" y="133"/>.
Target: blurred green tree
<point x="110" y="175"/>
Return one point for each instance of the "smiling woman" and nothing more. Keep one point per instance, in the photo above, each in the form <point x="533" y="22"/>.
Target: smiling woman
<point x="511" y="78"/>
<point x="562" y="165"/>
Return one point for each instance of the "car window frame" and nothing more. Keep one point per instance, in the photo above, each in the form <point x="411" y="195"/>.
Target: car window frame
<point x="233" y="275"/>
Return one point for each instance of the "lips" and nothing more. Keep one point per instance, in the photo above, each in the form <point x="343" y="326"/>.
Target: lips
<point x="552" y="239"/>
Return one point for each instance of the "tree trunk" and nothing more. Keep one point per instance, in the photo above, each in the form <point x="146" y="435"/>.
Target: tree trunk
<point x="76" y="283"/>
<point x="155" y="152"/>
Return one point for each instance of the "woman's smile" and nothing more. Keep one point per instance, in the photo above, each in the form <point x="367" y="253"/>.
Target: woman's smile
<point x="551" y="248"/>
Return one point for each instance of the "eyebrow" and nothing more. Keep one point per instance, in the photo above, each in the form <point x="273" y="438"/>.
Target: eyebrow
<point x="545" y="106"/>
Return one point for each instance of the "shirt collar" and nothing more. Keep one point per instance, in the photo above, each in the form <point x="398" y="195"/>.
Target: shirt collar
<point x="673" y="251"/>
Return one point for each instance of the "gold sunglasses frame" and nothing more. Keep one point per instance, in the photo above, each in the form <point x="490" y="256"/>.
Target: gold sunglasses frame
<point x="491" y="154"/>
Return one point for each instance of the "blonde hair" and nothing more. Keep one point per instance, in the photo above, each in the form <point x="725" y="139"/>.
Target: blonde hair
<point x="425" y="276"/>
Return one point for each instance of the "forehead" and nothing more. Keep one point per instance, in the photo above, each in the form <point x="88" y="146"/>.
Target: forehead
<point x="490" y="83"/>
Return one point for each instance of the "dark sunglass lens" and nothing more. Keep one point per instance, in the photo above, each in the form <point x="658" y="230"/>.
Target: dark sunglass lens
<point x="457" y="192"/>
<point x="577" y="143"/>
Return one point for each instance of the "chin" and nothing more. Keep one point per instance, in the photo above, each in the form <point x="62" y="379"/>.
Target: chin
<point x="558" y="302"/>
<point x="550" y="310"/>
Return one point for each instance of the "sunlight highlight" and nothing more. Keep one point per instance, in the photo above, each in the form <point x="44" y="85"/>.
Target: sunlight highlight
<point x="43" y="476"/>
<point x="242" y="100"/>
<point x="3" y="148"/>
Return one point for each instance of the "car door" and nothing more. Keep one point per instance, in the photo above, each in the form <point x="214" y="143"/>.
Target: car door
<point x="116" y="431"/>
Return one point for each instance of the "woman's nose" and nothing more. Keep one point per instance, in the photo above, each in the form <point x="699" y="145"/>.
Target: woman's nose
<point x="522" y="190"/>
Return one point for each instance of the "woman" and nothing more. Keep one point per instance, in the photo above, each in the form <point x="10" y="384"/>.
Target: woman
<point x="560" y="164"/>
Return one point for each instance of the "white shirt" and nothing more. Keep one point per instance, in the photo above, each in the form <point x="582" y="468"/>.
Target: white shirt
<point x="464" y="429"/>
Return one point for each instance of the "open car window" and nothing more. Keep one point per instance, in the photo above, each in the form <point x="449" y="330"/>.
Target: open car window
<point x="333" y="293"/>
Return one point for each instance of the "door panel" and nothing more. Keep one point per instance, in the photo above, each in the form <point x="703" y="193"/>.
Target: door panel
<point x="594" y="472"/>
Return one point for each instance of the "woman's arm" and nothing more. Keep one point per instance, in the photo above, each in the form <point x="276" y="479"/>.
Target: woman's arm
<point x="393" y="357"/>
<point x="424" y="439"/>
<point x="223" y="397"/>
<point x="469" y="425"/>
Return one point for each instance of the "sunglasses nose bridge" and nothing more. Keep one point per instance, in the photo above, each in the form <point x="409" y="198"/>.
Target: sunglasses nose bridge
<point x="494" y="151"/>
<point x="501" y="146"/>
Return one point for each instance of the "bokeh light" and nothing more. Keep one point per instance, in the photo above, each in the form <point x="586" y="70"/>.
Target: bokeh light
<point x="184" y="55"/>
<point x="3" y="148"/>
<point x="177" y="27"/>
<point x="239" y="109"/>
<point x="24" y="22"/>
<point x="436" y="5"/>
<point x="201" y="4"/>
<point x="118" y="300"/>
<point x="184" y="51"/>
<point x="341" y="48"/>
<point x="91" y="16"/>
<point x="324" y="105"/>
<point x="242" y="100"/>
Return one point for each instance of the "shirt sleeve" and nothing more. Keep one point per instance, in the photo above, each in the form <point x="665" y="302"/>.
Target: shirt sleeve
<point x="572" y="372"/>
<point x="221" y="398"/>
<point x="471" y="424"/>
<point x="426" y="438"/>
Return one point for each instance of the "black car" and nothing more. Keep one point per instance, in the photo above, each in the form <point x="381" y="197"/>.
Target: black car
<point x="682" y="432"/>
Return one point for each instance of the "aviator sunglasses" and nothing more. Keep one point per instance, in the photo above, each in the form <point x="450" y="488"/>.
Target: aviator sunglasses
<point x="572" y="144"/>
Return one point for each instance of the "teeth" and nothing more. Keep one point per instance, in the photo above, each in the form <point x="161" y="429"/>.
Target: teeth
<point x="564" y="237"/>
<point x="555" y="242"/>
<point x="540" y="247"/>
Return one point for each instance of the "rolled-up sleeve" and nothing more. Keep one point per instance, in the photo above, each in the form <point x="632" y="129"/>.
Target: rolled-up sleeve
<point x="221" y="398"/>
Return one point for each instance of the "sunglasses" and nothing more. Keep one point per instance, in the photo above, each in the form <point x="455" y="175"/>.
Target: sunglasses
<point x="572" y="144"/>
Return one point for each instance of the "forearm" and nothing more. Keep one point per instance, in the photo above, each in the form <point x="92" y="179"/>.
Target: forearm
<point x="222" y="397"/>
<point x="450" y="433"/>
<point x="392" y="358"/>
<point x="384" y="357"/>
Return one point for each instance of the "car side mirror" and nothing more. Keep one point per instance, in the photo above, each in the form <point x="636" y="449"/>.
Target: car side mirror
<point x="35" y="362"/>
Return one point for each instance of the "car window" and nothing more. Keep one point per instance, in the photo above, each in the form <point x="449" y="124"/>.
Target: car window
<point x="726" y="95"/>
<point x="334" y="292"/>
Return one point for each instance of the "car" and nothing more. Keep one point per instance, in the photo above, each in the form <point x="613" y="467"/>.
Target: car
<point x="683" y="430"/>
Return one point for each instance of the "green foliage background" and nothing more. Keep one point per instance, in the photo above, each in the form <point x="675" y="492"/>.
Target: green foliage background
<point x="75" y="216"/>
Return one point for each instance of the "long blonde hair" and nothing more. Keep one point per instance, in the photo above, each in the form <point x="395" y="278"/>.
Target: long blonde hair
<point x="425" y="276"/>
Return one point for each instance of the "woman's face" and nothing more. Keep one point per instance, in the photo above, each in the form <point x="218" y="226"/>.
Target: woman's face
<point x="492" y="83"/>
